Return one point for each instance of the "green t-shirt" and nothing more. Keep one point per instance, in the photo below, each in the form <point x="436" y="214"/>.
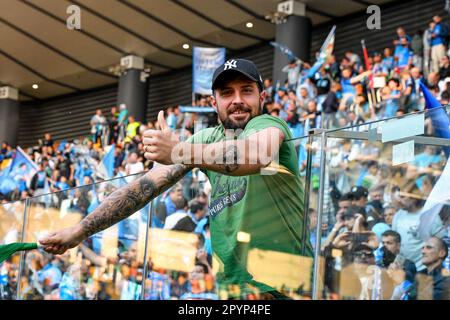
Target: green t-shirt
<point x="264" y="211"/>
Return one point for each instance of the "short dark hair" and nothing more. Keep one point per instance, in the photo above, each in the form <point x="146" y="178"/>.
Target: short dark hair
<point x="180" y="203"/>
<point x="205" y="268"/>
<point x="346" y="197"/>
<point x="397" y="82"/>
<point x="394" y="234"/>
<point x="352" y="211"/>
<point x="196" y="206"/>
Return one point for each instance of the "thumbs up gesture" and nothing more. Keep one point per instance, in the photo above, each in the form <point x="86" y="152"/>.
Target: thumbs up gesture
<point x="159" y="144"/>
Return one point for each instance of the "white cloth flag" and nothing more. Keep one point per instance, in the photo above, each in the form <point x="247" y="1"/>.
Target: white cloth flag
<point x="439" y="195"/>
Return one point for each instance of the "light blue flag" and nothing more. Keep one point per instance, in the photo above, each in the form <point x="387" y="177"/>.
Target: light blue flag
<point x="106" y="167"/>
<point x="96" y="238"/>
<point x="21" y="166"/>
<point x="46" y="196"/>
<point x="284" y="49"/>
<point x="325" y="51"/>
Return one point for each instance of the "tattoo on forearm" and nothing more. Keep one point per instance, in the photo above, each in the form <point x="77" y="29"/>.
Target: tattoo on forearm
<point x="176" y="172"/>
<point x="230" y="158"/>
<point x="124" y="202"/>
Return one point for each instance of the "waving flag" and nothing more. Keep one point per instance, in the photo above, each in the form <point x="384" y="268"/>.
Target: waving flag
<point x="367" y="62"/>
<point x="106" y="166"/>
<point x="440" y="194"/>
<point x="325" y="51"/>
<point x="439" y="118"/>
<point x="22" y="167"/>
<point x="285" y="50"/>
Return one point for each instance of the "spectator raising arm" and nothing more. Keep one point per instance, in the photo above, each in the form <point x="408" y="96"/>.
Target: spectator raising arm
<point x="231" y="157"/>
<point x="360" y="77"/>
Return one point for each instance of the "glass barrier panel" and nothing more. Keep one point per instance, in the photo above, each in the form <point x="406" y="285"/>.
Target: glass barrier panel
<point x="392" y="218"/>
<point x="199" y="249"/>
<point x="179" y="247"/>
<point x="100" y="266"/>
<point x="11" y="222"/>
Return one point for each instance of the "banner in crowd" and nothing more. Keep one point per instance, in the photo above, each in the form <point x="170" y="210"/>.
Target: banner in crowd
<point x="205" y="61"/>
<point x="20" y="170"/>
<point x="196" y="109"/>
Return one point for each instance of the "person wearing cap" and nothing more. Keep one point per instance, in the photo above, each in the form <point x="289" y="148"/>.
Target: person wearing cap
<point x="360" y="196"/>
<point x="256" y="198"/>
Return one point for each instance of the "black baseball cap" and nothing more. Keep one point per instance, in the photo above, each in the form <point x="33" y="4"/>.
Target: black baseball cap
<point x="359" y="192"/>
<point x="243" y="66"/>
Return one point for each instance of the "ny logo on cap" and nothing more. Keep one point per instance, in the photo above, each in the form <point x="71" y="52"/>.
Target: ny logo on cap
<point x="230" y="64"/>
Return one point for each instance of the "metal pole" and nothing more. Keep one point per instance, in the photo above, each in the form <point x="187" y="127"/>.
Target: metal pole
<point x="144" y="274"/>
<point x="323" y="145"/>
<point x="306" y="190"/>
<point x="22" y="253"/>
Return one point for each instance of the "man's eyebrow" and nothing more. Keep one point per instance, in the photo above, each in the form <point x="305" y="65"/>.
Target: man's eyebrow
<point x="243" y="86"/>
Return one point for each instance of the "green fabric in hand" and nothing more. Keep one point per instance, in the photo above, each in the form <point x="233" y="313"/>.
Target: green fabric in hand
<point x="9" y="249"/>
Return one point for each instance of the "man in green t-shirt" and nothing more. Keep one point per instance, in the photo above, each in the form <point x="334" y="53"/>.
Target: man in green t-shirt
<point x="256" y="205"/>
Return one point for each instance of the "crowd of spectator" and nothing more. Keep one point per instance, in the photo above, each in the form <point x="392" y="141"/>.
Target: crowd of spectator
<point x="372" y="236"/>
<point x="352" y="91"/>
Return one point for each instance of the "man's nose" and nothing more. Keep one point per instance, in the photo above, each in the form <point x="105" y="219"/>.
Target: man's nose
<point x="237" y="99"/>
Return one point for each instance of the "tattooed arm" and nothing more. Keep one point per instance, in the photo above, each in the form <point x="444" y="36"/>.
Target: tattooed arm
<point x="232" y="157"/>
<point x="117" y="206"/>
<point x="238" y="157"/>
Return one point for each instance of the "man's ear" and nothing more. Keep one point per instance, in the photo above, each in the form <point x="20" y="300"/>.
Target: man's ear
<point x="262" y="97"/>
<point x="442" y="254"/>
<point x="214" y="102"/>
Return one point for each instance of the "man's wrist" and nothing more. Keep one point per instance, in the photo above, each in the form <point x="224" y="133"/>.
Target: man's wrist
<point x="79" y="232"/>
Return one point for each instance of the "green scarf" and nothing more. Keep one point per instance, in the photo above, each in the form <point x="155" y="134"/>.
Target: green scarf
<point x="9" y="249"/>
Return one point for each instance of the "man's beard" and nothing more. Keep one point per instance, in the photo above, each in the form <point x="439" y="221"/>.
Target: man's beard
<point x="235" y="125"/>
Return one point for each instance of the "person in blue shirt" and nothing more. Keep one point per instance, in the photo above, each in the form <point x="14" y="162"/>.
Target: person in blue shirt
<point x="346" y="83"/>
<point x="159" y="288"/>
<point x="388" y="60"/>
<point x="439" y="32"/>
<point x="197" y="284"/>
<point x="401" y="34"/>
<point x="122" y="121"/>
<point x="171" y="119"/>
<point x="427" y="158"/>
<point x="50" y="274"/>
<point x="391" y="95"/>
<point x="403" y="54"/>
<point x="379" y="69"/>
<point x="167" y="205"/>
